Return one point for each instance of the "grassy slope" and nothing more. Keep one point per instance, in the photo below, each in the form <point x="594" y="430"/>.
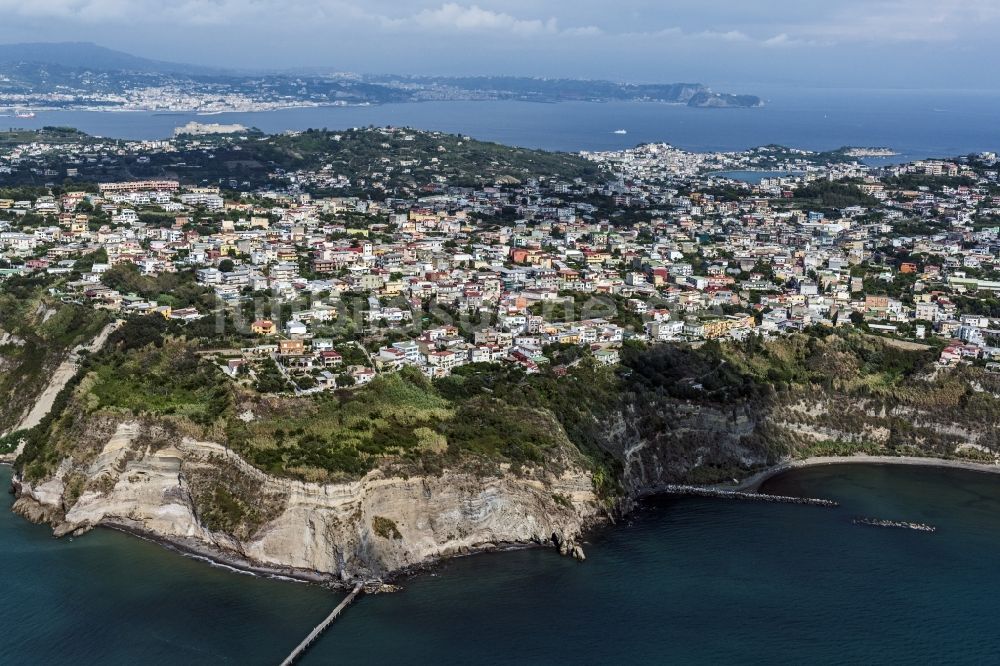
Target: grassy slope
<point x="399" y="422"/>
<point x="485" y="415"/>
<point x="52" y="135"/>
<point x="49" y="329"/>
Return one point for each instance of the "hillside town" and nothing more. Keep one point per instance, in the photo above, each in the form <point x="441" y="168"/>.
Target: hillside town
<point x="324" y="278"/>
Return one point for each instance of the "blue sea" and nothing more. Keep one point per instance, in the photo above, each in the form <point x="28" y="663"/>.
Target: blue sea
<point x="681" y="581"/>
<point x="915" y="123"/>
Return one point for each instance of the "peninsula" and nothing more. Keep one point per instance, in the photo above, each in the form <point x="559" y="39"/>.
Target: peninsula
<point x="86" y="76"/>
<point x="340" y="355"/>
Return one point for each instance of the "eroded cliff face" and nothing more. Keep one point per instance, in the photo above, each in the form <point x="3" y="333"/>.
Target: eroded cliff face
<point x="679" y="441"/>
<point x="147" y="476"/>
<point x="361" y="530"/>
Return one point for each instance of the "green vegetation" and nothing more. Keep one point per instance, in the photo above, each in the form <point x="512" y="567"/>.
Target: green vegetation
<point x="495" y="428"/>
<point x="231" y="501"/>
<point x="160" y="381"/>
<point x="702" y="412"/>
<point x="913" y="181"/>
<point x="562" y="500"/>
<point x="357" y="154"/>
<point x="56" y="135"/>
<point x="343" y="435"/>
<point x="41" y="332"/>
<point x="831" y="194"/>
<point x="386" y="528"/>
<point x="459" y="158"/>
<point x="838" y="448"/>
<point x="177" y="290"/>
<point x="10" y="442"/>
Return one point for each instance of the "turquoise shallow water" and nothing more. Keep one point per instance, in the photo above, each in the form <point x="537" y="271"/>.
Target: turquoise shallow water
<point x="682" y="581"/>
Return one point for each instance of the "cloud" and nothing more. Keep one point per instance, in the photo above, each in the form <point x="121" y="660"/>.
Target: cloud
<point x="453" y="16"/>
<point x="788" y="25"/>
<point x="783" y="40"/>
<point x="884" y="21"/>
<point x="457" y="18"/>
<point x="709" y="36"/>
<point x="450" y="17"/>
<point x="85" y="10"/>
<point x="727" y="36"/>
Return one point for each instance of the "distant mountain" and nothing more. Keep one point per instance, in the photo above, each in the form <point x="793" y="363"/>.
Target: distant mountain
<point x="86" y="55"/>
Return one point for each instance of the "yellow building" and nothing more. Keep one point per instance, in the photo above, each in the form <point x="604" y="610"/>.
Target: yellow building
<point x="263" y="327"/>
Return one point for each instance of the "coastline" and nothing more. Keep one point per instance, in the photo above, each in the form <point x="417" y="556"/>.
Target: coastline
<point x="217" y="557"/>
<point x="234" y="562"/>
<point x="753" y="483"/>
<point x="229" y="560"/>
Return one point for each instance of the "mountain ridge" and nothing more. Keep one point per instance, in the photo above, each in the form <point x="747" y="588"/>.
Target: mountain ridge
<point x="88" y="55"/>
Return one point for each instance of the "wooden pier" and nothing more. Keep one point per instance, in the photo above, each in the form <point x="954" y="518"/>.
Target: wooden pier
<point x="322" y="626"/>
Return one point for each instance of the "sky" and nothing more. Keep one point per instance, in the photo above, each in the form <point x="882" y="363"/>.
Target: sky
<point x="739" y="44"/>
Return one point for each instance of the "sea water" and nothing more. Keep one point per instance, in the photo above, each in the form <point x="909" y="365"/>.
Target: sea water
<point x="915" y="123"/>
<point x="682" y="580"/>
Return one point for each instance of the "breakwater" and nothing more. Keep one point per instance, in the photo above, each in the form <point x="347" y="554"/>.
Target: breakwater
<point x="899" y="524"/>
<point x="699" y="491"/>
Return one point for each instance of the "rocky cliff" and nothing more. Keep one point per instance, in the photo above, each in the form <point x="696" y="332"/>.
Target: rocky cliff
<point x="479" y="461"/>
<point x="361" y="530"/>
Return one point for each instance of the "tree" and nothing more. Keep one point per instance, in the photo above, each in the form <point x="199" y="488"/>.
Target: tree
<point x="227" y="266"/>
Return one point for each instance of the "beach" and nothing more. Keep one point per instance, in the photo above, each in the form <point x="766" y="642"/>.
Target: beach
<point x="754" y="482"/>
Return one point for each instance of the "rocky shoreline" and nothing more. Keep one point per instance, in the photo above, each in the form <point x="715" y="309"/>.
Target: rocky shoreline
<point x="226" y="560"/>
<point x="567" y="543"/>
<point x="196" y="549"/>
<point x="566" y="546"/>
<point x="373" y="529"/>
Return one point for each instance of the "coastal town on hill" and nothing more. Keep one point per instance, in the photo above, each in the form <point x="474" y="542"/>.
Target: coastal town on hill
<point x="322" y="273"/>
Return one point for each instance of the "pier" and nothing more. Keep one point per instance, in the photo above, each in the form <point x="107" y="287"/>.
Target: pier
<point x="322" y="626"/>
<point x="742" y="495"/>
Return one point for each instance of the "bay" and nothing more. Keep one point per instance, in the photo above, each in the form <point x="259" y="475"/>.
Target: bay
<point x="915" y="123"/>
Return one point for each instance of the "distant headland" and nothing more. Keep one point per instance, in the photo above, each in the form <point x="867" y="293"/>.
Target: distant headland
<point x="90" y="77"/>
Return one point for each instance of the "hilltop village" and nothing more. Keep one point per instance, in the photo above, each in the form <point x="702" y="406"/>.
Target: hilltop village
<point x="323" y="259"/>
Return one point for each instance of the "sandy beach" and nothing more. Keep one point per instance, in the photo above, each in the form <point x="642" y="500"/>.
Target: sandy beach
<point x="754" y="482"/>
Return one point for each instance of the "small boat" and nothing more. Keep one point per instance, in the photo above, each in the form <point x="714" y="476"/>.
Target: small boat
<point x="24" y="114"/>
<point x="621" y="131"/>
